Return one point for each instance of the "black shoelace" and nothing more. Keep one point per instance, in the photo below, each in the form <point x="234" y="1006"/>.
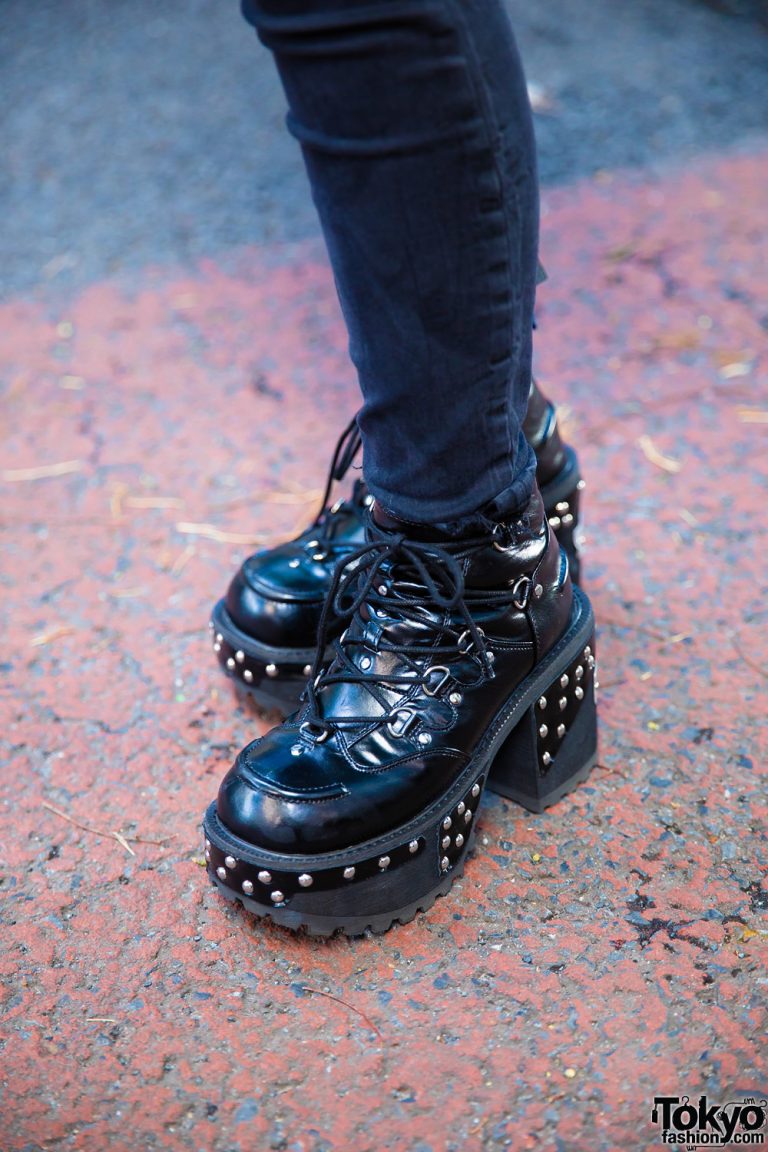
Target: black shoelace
<point x="347" y="448"/>
<point x="398" y="581"/>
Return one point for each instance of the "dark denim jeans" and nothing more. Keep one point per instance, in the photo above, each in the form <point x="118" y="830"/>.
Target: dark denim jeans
<point x="414" y="121"/>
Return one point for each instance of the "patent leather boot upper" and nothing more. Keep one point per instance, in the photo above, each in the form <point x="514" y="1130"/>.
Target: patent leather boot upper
<point x="264" y="631"/>
<point x="439" y="634"/>
<point x="467" y="663"/>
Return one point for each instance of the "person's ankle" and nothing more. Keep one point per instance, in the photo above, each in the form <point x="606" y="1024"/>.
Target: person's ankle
<point x="487" y="520"/>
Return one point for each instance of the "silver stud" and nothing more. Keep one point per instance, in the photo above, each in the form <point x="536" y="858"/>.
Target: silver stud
<point x="248" y="887"/>
<point x="554" y="522"/>
<point x="460" y="808"/>
<point x="563" y="703"/>
<point x="413" y="846"/>
<point x="543" y="731"/>
<point x="562" y="506"/>
<point x="365" y="663"/>
<point x="538" y="591"/>
<point x="579" y="692"/>
<point x="210" y="625"/>
<point x="447" y="823"/>
<point x="491" y="657"/>
<point x="217" y="647"/>
<point x="230" y="664"/>
<point x="312" y="543"/>
<point x="297" y="750"/>
<point x="271" y="670"/>
<point x="384" y="862"/>
<point x="305" y="880"/>
<point x="455" y="697"/>
<point x="276" y="897"/>
<point x="542" y="702"/>
<point x="560" y="731"/>
<point x="265" y="877"/>
<point x="382" y="589"/>
<point x="567" y="520"/>
<point x="319" y="556"/>
<point x="579" y="673"/>
<point x="424" y="738"/>
<point x="467" y="815"/>
<point x="219" y="638"/>
<point x="587" y="652"/>
<point x="564" y="681"/>
<point x="208" y="844"/>
<point x="445" y="843"/>
<point x="248" y="676"/>
<point x="459" y="841"/>
<point x="369" y="501"/>
<point x="581" y="485"/>
<point x="445" y="863"/>
<point x="307" y="670"/>
<point x="546" y="759"/>
<point x="475" y="790"/>
<point x="349" y="873"/>
<point x="294" y="563"/>
<point x="207" y="853"/>
<point x="240" y="657"/>
<point x="230" y="862"/>
<point x="221" y="873"/>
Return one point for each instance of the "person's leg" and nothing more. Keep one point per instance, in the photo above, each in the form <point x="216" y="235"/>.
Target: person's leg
<point x="466" y="657"/>
<point x="415" y="125"/>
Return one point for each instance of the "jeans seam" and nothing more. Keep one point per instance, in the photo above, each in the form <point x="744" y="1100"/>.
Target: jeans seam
<point x="493" y="136"/>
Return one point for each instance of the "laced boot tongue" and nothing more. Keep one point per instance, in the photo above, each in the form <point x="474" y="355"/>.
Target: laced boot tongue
<point x="404" y="601"/>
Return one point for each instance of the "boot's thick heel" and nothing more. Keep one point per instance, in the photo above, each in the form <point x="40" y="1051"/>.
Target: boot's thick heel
<point x="554" y="747"/>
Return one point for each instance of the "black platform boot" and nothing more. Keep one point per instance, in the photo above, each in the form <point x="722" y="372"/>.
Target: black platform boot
<point x="264" y="631"/>
<point x="464" y="664"/>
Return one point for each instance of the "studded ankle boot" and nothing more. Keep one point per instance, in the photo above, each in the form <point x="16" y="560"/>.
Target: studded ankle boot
<point x="464" y="664"/>
<point x="264" y="631"/>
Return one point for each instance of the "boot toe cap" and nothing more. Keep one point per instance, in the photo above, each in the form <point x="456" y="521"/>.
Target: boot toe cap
<point x="267" y="602"/>
<point x="279" y="797"/>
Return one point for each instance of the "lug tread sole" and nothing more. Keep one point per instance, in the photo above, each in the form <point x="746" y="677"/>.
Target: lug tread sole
<point x="322" y="927"/>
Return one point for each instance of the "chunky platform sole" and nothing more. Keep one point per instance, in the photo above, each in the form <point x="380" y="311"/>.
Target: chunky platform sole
<point x="275" y="677"/>
<point x="542" y="742"/>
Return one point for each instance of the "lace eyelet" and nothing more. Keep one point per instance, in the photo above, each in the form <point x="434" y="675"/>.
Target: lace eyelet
<point x="497" y="531"/>
<point x="404" y="720"/>
<point x="465" y="641"/>
<point x="306" y="730"/>
<point x="446" y="675"/>
<point x="521" y="602"/>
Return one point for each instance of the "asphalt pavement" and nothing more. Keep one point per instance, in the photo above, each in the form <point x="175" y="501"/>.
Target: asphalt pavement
<point x="137" y="133"/>
<point x="173" y="371"/>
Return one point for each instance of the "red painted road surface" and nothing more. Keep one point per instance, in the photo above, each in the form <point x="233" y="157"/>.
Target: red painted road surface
<point x="609" y="951"/>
